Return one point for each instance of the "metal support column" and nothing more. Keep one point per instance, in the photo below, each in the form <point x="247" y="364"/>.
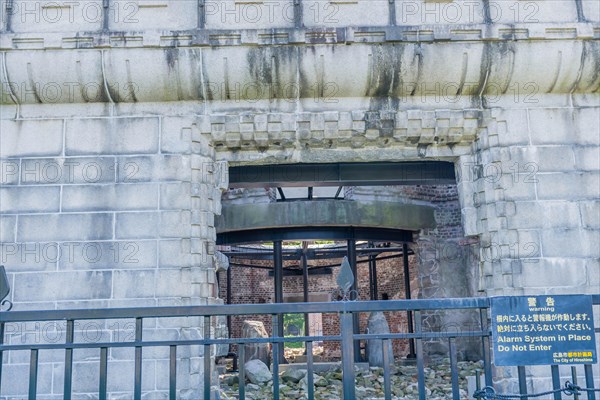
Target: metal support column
<point x="305" y="283"/>
<point x="371" y="276"/>
<point x="375" y="282"/>
<point x="278" y="281"/>
<point x="228" y="299"/>
<point x="411" y="342"/>
<point x="354" y="296"/>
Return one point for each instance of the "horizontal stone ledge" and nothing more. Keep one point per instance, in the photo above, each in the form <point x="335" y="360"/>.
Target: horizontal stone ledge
<point x="314" y="76"/>
<point x="423" y="33"/>
<point x="322" y="213"/>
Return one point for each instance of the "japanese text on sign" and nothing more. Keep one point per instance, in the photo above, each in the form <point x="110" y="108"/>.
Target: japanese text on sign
<point x="543" y="330"/>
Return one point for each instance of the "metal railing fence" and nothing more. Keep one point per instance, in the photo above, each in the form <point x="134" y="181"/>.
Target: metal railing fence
<point x="346" y="337"/>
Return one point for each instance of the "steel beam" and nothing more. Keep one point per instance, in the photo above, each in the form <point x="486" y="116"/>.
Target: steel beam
<point x="311" y="233"/>
<point x="316" y="253"/>
<point x="343" y="174"/>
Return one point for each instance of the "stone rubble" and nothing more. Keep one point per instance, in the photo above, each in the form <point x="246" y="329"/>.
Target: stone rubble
<point x="257" y="372"/>
<point x="369" y="383"/>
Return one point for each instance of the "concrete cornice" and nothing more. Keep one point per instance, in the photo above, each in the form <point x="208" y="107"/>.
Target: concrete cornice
<point x="306" y="36"/>
<point x="286" y="74"/>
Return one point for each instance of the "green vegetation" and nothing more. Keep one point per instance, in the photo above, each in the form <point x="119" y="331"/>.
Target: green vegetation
<point x="293" y="325"/>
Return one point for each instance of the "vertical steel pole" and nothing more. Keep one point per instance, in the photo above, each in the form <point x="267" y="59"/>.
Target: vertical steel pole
<point x="589" y="380"/>
<point x="305" y="292"/>
<point x="371" y="289"/>
<point x="33" y="374"/>
<point x="137" y="386"/>
<point x="420" y="361"/>
<point x="407" y="296"/>
<point x="172" y="372"/>
<point x="103" y="382"/>
<point x="278" y="278"/>
<point x="207" y="360"/>
<point x="555" y="381"/>
<point x="375" y="282"/>
<point x="522" y="381"/>
<point x="354" y="296"/>
<point x="276" y="357"/>
<point x="485" y="347"/>
<point x="68" y="361"/>
<point x="347" y="356"/>
<point x="574" y="381"/>
<point x="1" y="355"/>
<point x="305" y="283"/>
<point x="229" y="301"/>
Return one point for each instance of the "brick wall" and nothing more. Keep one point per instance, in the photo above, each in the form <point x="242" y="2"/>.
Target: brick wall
<point x="443" y="266"/>
<point x="251" y="285"/>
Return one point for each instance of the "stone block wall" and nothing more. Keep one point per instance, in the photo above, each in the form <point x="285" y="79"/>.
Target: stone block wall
<point x="106" y="212"/>
<point x="534" y="200"/>
<point x="508" y="91"/>
<point x="530" y="193"/>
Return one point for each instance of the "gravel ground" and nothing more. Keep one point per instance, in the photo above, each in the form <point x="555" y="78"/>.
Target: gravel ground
<point x="369" y="383"/>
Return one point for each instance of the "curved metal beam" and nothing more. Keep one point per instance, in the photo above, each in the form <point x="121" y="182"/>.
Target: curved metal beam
<point x="327" y="213"/>
<point x="312" y="233"/>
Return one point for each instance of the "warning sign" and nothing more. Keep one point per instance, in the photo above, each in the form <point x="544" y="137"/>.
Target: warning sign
<point x="543" y="330"/>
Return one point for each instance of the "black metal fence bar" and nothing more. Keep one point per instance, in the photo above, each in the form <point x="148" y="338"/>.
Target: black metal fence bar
<point x="33" y="372"/>
<point x="249" y="309"/>
<point x="1" y="353"/>
<point x="485" y="350"/>
<point x="103" y="395"/>
<point x="522" y="381"/>
<point x="453" y="369"/>
<point x="347" y="339"/>
<point x="574" y="381"/>
<point x="69" y="361"/>
<point x="310" y="379"/>
<point x="347" y="327"/>
<point x="556" y="381"/>
<point x="202" y="342"/>
<point x="172" y="372"/>
<point x="387" y="384"/>
<point x="207" y="370"/>
<point x="277" y="319"/>
<point x="242" y="371"/>
<point x="419" y="350"/>
<point x="589" y="381"/>
<point x="137" y="392"/>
